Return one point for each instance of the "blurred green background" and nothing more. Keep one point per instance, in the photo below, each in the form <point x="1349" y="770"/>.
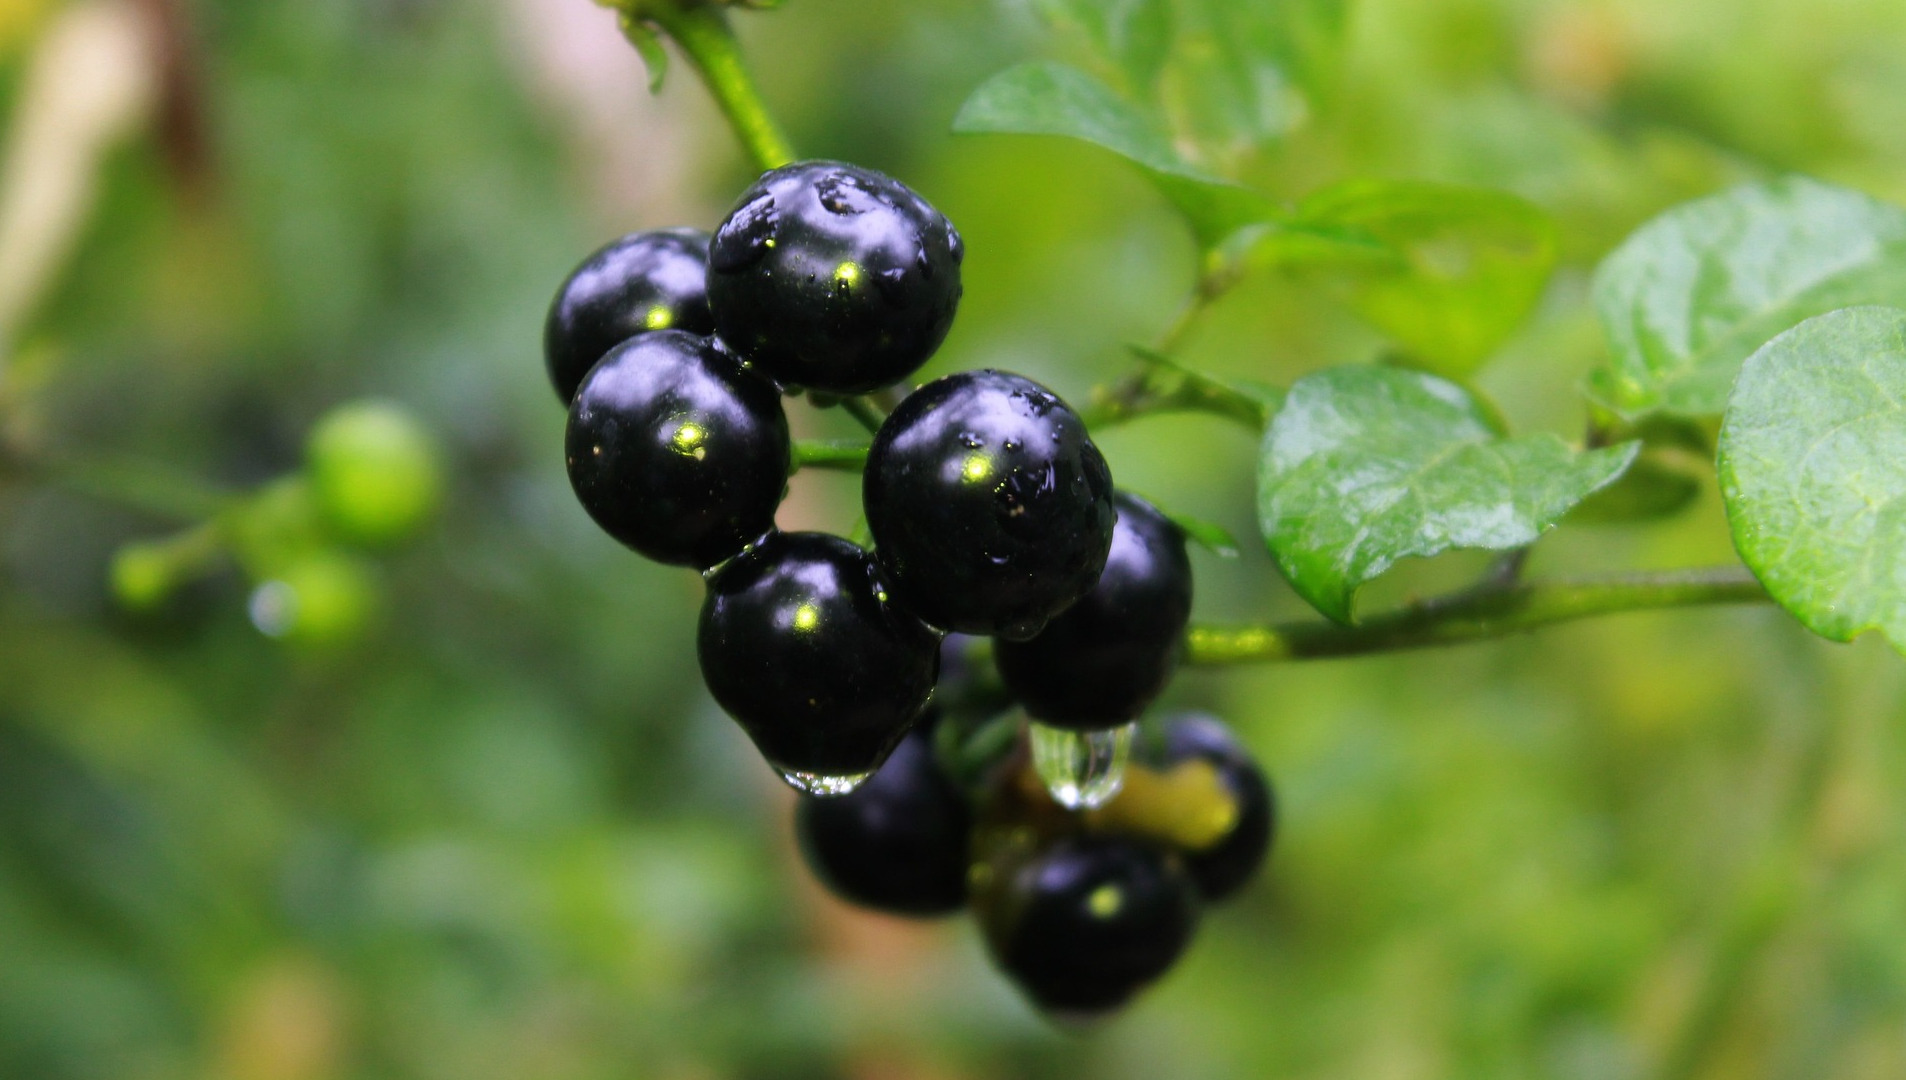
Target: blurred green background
<point x="504" y="833"/>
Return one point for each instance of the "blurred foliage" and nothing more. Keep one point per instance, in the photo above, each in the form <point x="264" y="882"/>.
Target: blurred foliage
<point x="507" y="835"/>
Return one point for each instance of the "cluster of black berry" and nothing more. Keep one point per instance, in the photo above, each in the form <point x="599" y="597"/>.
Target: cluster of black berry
<point x="991" y="511"/>
<point x="1081" y="909"/>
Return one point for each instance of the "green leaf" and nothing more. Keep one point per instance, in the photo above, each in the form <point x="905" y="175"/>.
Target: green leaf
<point x="1208" y="535"/>
<point x="1248" y="74"/>
<point x="1132" y="35"/>
<point x="1687" y="297"/>
<point x="648" y="45"/>
<point x="1446" y="272"/>
<point x="1367" y="465"/>
<point x="1053" y="99"/>
<point x="1813" y="469"/>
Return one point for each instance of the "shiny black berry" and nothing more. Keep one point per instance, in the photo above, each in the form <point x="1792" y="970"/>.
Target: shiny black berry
<point x="1100" y="662"/>
<point x="1086" y="924"/>
<point x="644" y="281"/>
<point x="1222" y="870"/>
<point x="802" y="645"/>
<point x="897" y="843"/>
<point x="676" y="450"/>
<point x="989" y="506"/>
<point x="834" y="277"/>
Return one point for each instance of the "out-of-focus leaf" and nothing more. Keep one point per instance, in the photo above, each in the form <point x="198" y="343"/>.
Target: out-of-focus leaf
<point x="1446" y="272"/>
<point x="1247" y="74"/>
<point x="1367" y="465"/>
<point x="1053" y="99"/>
<point x="648" y="44"/>
<point x="1690" y="294"/>
<point x="1813" y="468"/>
<point x="1132" y="35"/>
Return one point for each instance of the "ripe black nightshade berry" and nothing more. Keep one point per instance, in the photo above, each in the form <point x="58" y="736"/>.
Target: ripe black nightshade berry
<point x="989" y="506"/>
<point x="676" y="450"/>
<point x="642" y="282"/>
<point x="1089" y="922"/>
<point x="1222" y="870"/>
<point x="897" y="843"/>
<point x="1099" y="663"/>
<point x="800" y="643"/>
<point x="834" y="277"/>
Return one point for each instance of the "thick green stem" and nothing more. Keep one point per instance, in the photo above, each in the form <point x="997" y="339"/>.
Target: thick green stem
<point x="702" y="31"/>
<point x="1488" y="611"/>
<point x="844" y="454"/>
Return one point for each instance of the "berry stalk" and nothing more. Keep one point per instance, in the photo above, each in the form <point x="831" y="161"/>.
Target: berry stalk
<point x="702" y="31"/>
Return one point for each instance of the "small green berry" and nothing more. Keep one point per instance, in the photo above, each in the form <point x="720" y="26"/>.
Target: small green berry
<point x="375" y="471"/>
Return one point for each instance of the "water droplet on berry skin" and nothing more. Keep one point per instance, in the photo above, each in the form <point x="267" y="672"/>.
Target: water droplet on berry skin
<point x="971" y="440"/>
<point x="1081" y="769"/>
<point x="746" y="236"/>
<point x="892" y="285"/>
<point x="954" y="244"/>
<point x="823" y="786"/>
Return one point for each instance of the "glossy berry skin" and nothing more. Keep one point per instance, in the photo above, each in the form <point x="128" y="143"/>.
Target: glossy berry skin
<point x="1086" y="924"/>
<point x="676" y="450"/>
<point x="642" y="282"/>
<point x="1221" y="871"/>
<point x="897" y="843"/>
<point x="834" y="277"/>
<point x="989" y="505"/>
<point x="1099" y="663"/>
<point x="802" y="645"/>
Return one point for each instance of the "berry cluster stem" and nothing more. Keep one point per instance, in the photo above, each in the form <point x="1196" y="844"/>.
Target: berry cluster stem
<point x="701" y="30"/>
<point x="846" y="455"/>
<point x="1491" y="610"/>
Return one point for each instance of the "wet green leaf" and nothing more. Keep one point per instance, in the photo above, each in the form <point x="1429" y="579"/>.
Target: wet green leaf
<point x="1053" y="99"/>
<point x="1367" y="465"/>
<point x="1813" y="468"/>
<point x="1687" y="297"/>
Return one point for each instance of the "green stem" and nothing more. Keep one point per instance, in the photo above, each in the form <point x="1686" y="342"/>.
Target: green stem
<point x="139" y="485"/>
<point x="844" y="454"/>
<point x="1491" y="610"/>
<point x="865" y="411"/>
<point x="702" y="31"/>
<point x="1162" y="386"/>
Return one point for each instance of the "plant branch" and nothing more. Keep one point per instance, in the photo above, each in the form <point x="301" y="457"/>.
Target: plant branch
<point x="702" y="31"/>
<point x="1162" y="385"/>
<point x="1491" y="610"/>
<point x="846" y="455"/>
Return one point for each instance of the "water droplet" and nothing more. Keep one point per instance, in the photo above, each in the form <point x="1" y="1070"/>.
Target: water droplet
<point x="1082" y="769"/>
<point x="921" y="261"/>
<point x="954" y="244"/>
<point x="845" y="195"/>
<point x="1013" y="445"/>
<point x="746" y="236"/>
<point x="971" y="440"/>
<point x="824" y="786"/>
<point x="273" y="608"/>
<point x="892" y="285"/>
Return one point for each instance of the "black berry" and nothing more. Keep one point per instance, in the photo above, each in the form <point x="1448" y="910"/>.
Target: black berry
<point x="1090" y="921"/>
<point x="642" y="282"/>
<point x="897" y="843"/>
<point x="834" y="277"/>
<point x="989" y="506"/>
<point x="802" y="645"/>
<point x="1098" y="664"/>
<point x="676" y="450"/>
<point x="1222" y="870"/>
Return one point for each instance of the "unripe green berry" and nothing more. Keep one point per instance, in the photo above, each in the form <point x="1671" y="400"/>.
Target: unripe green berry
<point x="375" y="472"/>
